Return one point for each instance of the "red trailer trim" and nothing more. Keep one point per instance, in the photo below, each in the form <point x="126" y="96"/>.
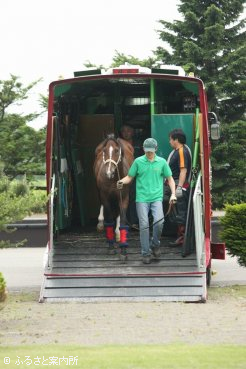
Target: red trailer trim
<point x="206" y="174"/>
<point x="122" y="274"/>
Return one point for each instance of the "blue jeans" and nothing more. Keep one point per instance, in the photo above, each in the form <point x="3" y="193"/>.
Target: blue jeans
<point x="156" y="209"/>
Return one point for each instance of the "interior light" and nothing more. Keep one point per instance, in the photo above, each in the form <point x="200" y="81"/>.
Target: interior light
<point x="214" y="126"/>
<point x="215" y="131"/>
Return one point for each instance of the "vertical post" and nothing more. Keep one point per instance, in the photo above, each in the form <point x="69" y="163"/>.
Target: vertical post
<point x="196" y="147"/>
<point x="189" y="238"/>
<point x="152" y="97"/>
<point x="152" y="103"/>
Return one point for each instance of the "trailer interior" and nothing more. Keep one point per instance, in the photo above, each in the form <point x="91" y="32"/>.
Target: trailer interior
<point x="84" y="111"/>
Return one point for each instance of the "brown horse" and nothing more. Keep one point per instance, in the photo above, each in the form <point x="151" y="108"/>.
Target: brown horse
<point x="113" y="158"/>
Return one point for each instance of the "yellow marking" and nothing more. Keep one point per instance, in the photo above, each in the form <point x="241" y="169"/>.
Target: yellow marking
<point x="181" y="157"/>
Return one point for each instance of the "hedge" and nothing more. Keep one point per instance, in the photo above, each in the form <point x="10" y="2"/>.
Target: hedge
<point x="234" y="231"/>
<point x="3" y="292"/>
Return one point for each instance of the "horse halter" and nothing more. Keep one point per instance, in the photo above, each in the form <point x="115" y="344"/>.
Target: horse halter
<point x="110" y="160"/>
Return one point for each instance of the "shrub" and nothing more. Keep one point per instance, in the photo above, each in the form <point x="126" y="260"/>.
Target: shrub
<point x="12" y="208"/>
<point x="3" y="293"/>
<point x="19" y="188"/>
<point x="7" y="244"/>
<point x="16" y="202"/>
<point x="4" y="183"/>
<point x="38" y="201"/>
<point x="234" y="231"/>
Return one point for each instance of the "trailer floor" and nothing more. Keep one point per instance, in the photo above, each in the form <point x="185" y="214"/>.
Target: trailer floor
<point x="83" y="267"/>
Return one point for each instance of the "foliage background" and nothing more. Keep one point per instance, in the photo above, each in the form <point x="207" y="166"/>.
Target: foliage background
<point x="209" y="41"/>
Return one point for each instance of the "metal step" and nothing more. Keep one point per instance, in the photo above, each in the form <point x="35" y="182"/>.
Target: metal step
<point x="83" y="268"/>
<point x="125" y="288"/>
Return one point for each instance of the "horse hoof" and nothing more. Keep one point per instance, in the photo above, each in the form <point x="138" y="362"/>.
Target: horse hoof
<point x="112" y="250"/>
<point x="123" y="258"/>
<point x="100" y="227"/>
<point x="117" y="237"/>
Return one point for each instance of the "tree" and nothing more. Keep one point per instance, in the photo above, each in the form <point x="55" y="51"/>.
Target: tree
<point x="22" y="149"/>
<point x="12" y="92"/>
<point x="210" y="41"/>
<point x="228" y="162"/>
<point x="120" y="59"/>
<point x="43" y="100"/>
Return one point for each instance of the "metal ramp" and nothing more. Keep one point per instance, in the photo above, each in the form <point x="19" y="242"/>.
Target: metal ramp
<point x="82" y="268"/>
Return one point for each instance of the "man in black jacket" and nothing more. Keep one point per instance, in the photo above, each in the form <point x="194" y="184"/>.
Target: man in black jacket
<point x="180" y="163"/>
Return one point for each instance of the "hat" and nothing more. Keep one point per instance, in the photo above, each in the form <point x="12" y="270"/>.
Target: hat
<point x="150" y="144"/>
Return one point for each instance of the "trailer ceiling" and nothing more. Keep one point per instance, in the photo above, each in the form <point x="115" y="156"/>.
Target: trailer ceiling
<point x="134" y="87"/>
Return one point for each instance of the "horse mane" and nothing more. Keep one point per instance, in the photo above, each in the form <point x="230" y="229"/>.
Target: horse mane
<point x="123" y="144"/>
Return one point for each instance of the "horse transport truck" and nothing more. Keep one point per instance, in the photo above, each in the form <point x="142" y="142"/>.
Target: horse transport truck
<point x="82" y="111"/>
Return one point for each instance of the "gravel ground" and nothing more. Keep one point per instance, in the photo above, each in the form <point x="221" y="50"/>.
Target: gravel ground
<point x="222" y="319"/>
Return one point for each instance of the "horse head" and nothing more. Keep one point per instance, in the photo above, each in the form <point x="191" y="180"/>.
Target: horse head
<point x="112" y="156"/>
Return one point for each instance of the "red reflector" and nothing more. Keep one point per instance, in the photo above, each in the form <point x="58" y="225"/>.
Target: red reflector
<point x="218" y="250"/>
<point x="125" y="71"/>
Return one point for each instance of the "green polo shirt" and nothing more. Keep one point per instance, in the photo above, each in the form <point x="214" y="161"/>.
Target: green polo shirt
<point x="149" y="178"/>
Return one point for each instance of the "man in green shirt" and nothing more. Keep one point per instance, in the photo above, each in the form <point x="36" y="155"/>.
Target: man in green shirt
<point x="150" y="171"/>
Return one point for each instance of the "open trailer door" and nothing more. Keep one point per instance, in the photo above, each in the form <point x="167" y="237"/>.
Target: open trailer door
<point x="199" y="222"/>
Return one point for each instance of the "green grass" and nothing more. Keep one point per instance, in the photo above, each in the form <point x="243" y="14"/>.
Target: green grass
<point x="173" y="356"/>
<point x="215" y="293"/>
<point x="170" y="356"/>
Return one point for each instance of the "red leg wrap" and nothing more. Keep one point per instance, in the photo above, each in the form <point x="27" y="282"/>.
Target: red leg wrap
<point x="124" y="235"/>
<point x="109" y="229"/>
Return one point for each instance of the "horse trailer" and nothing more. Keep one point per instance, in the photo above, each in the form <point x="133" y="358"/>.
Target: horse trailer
<point x="81" y="112"/>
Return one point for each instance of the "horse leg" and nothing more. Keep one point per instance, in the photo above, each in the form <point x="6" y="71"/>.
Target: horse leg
<point x="117" y="229"/>
<point x="124" y="231"/>
<point x="100" y="224"/>
<point x="109" y="227"/>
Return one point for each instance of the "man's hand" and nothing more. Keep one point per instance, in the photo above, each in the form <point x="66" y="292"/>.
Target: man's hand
<point x="173" y="199"/>
<point x="119" y="185"/>
<point x="179" y="192"/>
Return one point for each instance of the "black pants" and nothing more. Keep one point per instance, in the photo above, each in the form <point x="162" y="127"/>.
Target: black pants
<point x="180" y="215"/>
